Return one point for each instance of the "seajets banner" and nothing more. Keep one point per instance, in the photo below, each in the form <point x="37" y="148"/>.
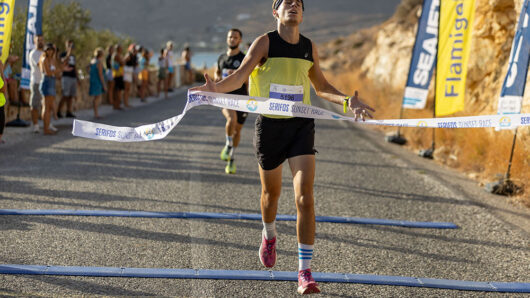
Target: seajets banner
<point x="33" y="27"/>
<point x="278" y="107"/>
<point x="515" y="81"/>
<point x="456" y="23"/>
<point x="6" y="24"/>
<point x="423" y="56"/>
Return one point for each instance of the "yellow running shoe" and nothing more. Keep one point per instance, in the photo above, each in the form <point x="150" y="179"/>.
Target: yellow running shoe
<point x="230" y="167"/>
<point x="225" y="154"/>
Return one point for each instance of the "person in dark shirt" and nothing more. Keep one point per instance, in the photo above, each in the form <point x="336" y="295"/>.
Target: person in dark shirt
<point x="226" y="64"/>
<point x="110" y="79"/>
<point x="69" y="80"/>
<point x="131" y="62"/>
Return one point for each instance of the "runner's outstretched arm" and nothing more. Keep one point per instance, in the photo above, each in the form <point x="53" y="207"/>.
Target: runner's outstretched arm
<point x="258" y="51"/>
<point x="328" y="92"/>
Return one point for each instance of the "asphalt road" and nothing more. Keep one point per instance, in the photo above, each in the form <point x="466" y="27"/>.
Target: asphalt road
<point x="357" y="175"/>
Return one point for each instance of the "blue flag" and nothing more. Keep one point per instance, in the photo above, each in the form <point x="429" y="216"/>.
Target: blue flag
<point x="514" y="84"/>
<point x="33" y="28"/>
<point x="423" y="56"/>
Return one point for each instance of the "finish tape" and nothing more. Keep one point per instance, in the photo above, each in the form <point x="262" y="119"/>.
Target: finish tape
<point x="278" y="107"/>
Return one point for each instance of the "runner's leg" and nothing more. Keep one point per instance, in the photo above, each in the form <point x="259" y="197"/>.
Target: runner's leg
<point x="303" y="171"/>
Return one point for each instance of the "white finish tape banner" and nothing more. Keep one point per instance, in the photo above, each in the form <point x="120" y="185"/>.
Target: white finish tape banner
<point x="270" y="106"/>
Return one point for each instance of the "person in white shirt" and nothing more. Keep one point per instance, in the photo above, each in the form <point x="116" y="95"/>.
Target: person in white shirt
<point x="35" y="101"/>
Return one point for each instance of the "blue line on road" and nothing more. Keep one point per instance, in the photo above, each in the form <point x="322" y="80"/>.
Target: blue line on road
<point x="505" y="287"/>
<point x="206" y="215"/>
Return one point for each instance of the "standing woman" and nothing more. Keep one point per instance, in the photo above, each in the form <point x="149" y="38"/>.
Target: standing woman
<point x="186" y="57"/>
<point x="97" y="79"/>
<point x="117" y="74"/>
<point x="143" y="76"/>
<point x="48" y="67"/>
<point x="110" y="79"/>
<point x="10" y="81"/>
<point x="162" y="73"/>
<point x="131" y="61"/>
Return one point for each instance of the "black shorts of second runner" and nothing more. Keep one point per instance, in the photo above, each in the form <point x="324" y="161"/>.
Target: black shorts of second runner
<point x="241" y="117"/>
<point x="276" y="140"/>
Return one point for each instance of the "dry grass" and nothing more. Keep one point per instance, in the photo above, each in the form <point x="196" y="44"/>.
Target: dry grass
<point x="481" y="153"/>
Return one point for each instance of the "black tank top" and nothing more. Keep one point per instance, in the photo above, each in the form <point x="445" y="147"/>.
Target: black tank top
<point x="279" y="48"/>
<point x="133" y="61"/>
<point x="225" y="63"/>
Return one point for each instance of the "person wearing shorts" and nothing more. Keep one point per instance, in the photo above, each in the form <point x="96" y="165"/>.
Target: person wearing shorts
<point x="35" y="100"/>
<point x="68" y="81"/>
<point x="49" y="69"/>
<point x="131" y="61"/>
<point x="188" y="72"/>
<point x="283" y="64"/>
<point x="117" y="74"/>
<point x="170" y="57"/>
<point x="226" y="64"/>
<point x="162" y="73"/>
<point x="143" y="74"/>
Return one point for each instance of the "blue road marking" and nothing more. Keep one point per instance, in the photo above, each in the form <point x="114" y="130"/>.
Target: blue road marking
<point x="504" y="287"/>
<point x="226" y="216"/>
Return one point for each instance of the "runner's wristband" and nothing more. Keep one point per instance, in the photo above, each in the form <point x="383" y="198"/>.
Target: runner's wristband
<point x="345" y="104"/>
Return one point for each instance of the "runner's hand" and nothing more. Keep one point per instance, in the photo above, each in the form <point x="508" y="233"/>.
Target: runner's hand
<point x="359" y="108"/>
<point x="209" y="86"/>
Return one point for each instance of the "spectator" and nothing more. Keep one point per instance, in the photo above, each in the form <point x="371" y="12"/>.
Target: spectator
<point x="170" y="56"/>
<point x="35" y="100"/>
<point x="50" y="70"/>
<point x="188" y="72"/>
<point x="3" y="89"/>
<point x="131" y="61"/>
<point x="69" y="80"/>
<point x="162" y="73"/>
<point x="97" y="79"/>
<point x="110" y="79"/>
<point x="11" y="82"/>
<point x="117" y="74"/>
<point x="143" y="75"/>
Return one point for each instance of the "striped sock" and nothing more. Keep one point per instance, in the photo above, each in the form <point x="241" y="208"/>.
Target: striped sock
<point x="305" y="254"/>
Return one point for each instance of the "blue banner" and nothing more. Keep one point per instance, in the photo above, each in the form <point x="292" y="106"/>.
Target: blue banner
<point x="514" y="84"/>
<point x="423" y="56"/>
<point x="33" y="27"/>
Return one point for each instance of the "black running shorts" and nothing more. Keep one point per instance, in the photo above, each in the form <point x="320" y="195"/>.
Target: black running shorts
<point x="279" y="139"/>
<point x="241" y="117"/>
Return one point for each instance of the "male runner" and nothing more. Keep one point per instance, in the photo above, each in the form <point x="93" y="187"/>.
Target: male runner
<point x="283" y="64"/>
<point x="226" y="65"/>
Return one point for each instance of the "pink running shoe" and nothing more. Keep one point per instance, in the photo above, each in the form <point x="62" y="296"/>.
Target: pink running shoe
<point x="306" y="283"/>
<point x="267" y="252"/>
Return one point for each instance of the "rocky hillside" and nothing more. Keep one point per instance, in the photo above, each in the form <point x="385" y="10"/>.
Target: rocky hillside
<point x="381" y="55"/>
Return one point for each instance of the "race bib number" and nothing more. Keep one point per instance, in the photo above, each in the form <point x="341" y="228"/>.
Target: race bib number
<point x="287" y="92"/>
